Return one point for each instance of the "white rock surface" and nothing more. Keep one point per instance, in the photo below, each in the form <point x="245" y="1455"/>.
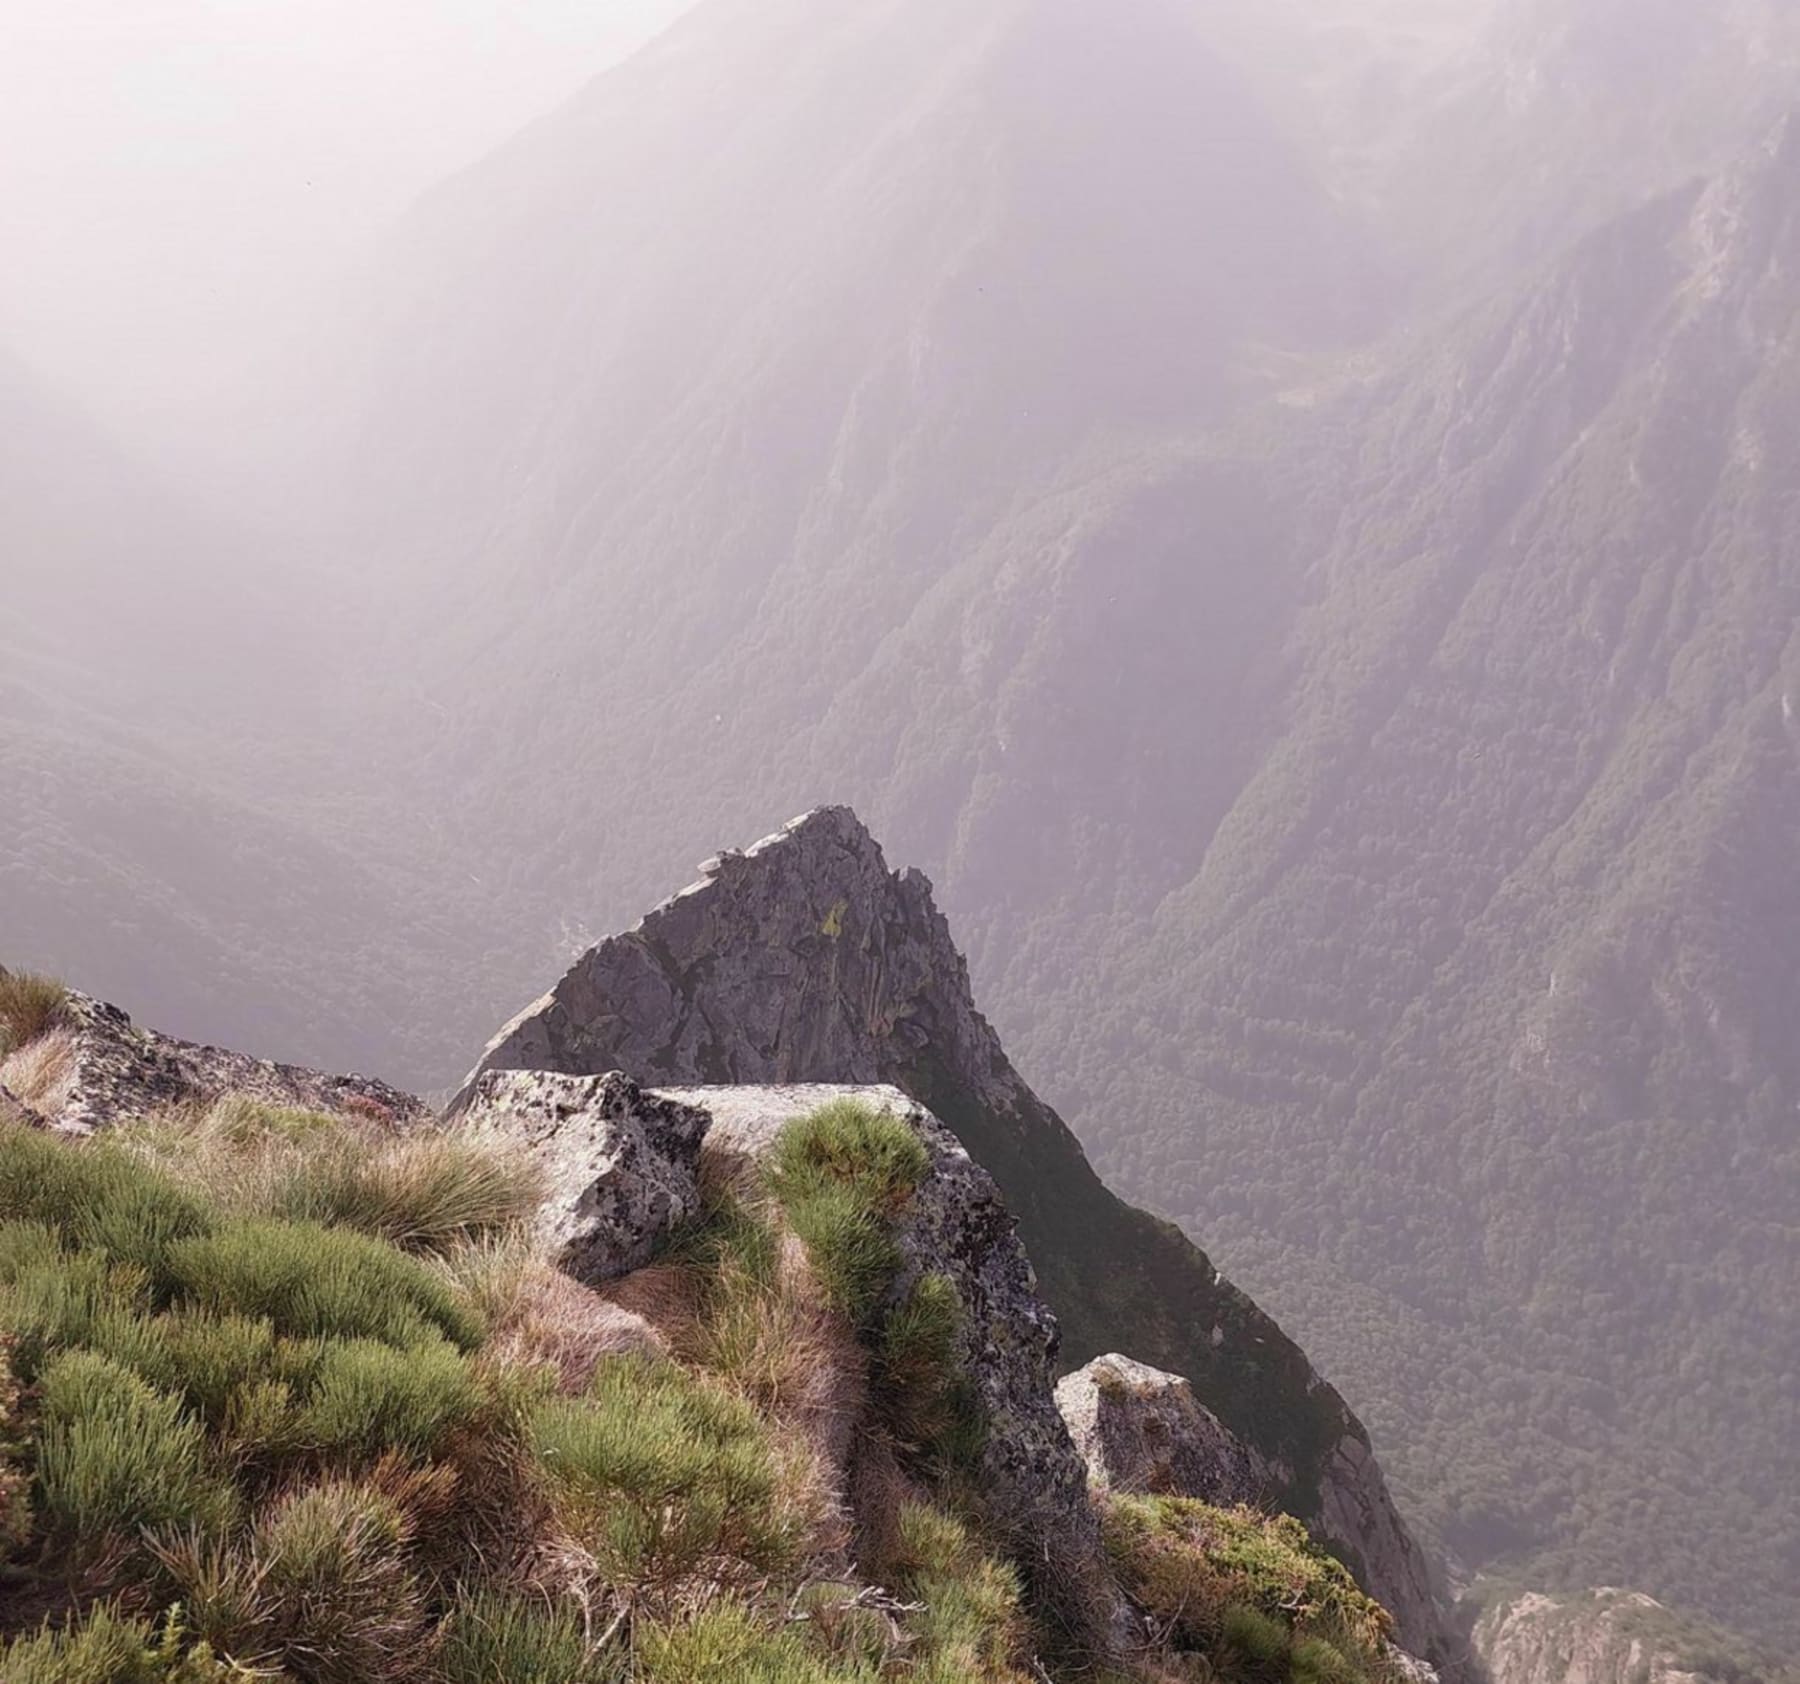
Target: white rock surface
<point x="1141" y="1430"/>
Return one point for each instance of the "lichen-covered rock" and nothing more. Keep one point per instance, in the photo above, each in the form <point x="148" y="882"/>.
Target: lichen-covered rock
<point x="1032" y="1481"/>
<point x="619" y="1166"/>
<point x="1142" y="1431"/>
<point x="119" y="1072"/>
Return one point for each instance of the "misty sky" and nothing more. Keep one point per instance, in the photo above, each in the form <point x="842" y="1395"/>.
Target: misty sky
<point x="175" y="175"/>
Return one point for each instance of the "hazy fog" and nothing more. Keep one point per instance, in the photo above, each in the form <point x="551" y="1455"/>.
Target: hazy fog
<point x="1284" y="509"/>
<point x="178" y="175"/>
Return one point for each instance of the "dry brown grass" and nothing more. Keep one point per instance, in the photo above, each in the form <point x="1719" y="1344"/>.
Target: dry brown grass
<point x="878" y="1489"/>
<point x="538" y="1317"/>
<point x="42" y="1071"/>
<point x="766" y="1330"/>
<point x="667" y="1296"/>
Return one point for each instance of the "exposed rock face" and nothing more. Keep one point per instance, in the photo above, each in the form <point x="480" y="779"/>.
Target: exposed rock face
<point x="118" y="1072"/>
<point x="1598" y="1637"/>
<point x="805" y="959"/>
<point x="1354" y="1503"/>
<point x="620" y="1166"/>
<point x="1141" y="1430"/>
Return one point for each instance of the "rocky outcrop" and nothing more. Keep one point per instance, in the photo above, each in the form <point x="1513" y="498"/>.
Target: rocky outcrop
<point x="805" y="960"/>
<point x="1597" y="1637"/>
<point x="117" y="1072"/>
<point x="1032" y="1481"/>
<point x="621" y="1174"/>
<point x="619" y="1166"/>
<point x="1141" y="1430"/>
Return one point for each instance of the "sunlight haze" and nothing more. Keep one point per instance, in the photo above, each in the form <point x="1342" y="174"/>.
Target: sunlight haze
<point x="175" y="173"/>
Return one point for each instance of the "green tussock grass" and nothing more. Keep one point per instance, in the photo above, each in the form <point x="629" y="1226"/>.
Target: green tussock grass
<point x="843" y="1175"/>
<point x="660" y="1474"/>
<point x="494" y="1638"/>
<point x="1250" y="1592"/>
<point x="30" y="1006"/>
<point x="107" y="1648"/>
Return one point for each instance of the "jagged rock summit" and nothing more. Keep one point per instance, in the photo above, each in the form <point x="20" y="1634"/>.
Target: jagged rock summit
<point x="804" y="959"/>
<point x="1605" y="1636"/>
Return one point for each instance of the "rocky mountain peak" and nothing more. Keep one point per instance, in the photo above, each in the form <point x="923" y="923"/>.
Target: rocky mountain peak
<point x="805" y="959"/>
<point x="799" y="955"/>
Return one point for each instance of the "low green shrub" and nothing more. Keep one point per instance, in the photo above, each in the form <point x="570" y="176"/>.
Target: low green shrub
<point x="972" y="1626"/>
<point x="661" y="1474"/>
<point x="106" y="1648"/>
<point x="97" y="1198"/>
<point x="1315" y="1661"/>
<point x="1254" y="1644"/>
<point x="1251" y="1590"/>
<point x="730" y="1644"/>
<point x="320" y="1589"/>
<point x="368" y="1398"/>
<point x="114" y="1456"/>
<point x="324" y="1282"/>
<point x="206" y="1358"/>
<point x="30" y="1006"/>
<point x="490" y="1638"/>
<point x="15" y="1485"/>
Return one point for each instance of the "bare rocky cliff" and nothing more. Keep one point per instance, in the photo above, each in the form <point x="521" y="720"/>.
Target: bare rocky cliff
<point x="1600" y="1637"/>
<point x="805" y="960"/>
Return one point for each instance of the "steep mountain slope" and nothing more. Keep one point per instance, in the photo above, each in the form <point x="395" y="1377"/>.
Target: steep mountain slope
<point x="770" y="331"/>
<point x="148" y="846"/>
<point x="1497" y="943"/>
<point x="1563" y="113"/>
<point x="805" y="960"/>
